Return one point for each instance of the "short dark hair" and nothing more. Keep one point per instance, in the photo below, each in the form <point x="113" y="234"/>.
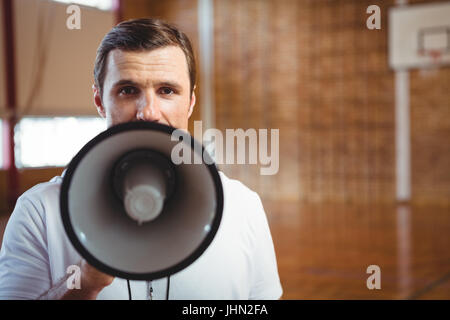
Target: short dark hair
<point x="142" y="34"/>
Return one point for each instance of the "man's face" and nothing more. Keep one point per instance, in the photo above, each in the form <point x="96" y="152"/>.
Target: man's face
<point x="146" y="85"/>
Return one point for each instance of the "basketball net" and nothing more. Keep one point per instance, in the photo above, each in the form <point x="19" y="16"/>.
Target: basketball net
<point x="435" y="57"/>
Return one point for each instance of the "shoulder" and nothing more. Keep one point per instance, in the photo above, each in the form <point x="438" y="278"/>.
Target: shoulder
<point x="38" y="201"/>
<point x="236" y="191"/>
<point x="43" y="189"/>
<point x="27" y="225"/>
<point x="241" y="204"/>
<point x="24" y="257"/>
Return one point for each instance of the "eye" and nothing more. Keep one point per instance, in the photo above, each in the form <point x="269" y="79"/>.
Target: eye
<point x="166" y="91"/>
<point x="128" y="90"/>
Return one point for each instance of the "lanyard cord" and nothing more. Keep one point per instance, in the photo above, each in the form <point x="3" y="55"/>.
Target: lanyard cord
<point x="129" y="290"/>
<point x="167" y="290"/>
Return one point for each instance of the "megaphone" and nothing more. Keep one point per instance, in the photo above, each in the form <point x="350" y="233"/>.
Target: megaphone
<point x="130" y="211"/>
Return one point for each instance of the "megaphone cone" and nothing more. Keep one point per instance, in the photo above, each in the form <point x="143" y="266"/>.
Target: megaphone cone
<point x="130" y="211"/>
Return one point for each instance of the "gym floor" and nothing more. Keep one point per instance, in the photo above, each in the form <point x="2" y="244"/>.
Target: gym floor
<point x="323" y="251"/>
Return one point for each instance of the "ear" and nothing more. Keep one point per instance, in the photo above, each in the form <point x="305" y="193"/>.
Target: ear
<point x="191" y="105"/>
<point x="98" y="101"/>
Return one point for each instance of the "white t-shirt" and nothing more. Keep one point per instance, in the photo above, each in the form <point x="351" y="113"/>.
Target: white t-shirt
<point x="240" y="262"/>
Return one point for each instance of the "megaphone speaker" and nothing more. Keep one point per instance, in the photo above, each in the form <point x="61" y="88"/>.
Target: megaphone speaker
<point x="130" y="211"/>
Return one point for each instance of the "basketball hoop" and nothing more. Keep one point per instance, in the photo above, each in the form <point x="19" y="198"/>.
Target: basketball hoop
<point x="434" y="54"/>
<point x="434" y="60"/>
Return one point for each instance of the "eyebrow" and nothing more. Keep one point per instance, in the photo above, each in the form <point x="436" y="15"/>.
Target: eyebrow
<point x="125" y="82"/>
<point x="128" y="82"/>
<point x="171" y="84"/>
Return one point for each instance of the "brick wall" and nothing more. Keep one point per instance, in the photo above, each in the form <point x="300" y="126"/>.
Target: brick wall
<point x="313" y="70"/>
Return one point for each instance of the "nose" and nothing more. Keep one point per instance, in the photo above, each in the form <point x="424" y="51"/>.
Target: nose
<point x="149" y="109"/>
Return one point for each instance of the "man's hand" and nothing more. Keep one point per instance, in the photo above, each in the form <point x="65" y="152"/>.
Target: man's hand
<point x="92" y="279"/>
<point x="92" y="282"/>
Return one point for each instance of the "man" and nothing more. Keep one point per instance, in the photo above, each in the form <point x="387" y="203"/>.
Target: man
<point x="144" y="70"/>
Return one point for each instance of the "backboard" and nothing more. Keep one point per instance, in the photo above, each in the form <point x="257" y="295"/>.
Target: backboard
<point x="419" y="36"/>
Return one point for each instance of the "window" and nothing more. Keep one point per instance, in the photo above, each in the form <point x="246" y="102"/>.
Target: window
<point x="53" y="142"/>
<point x="99" y="4"/>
